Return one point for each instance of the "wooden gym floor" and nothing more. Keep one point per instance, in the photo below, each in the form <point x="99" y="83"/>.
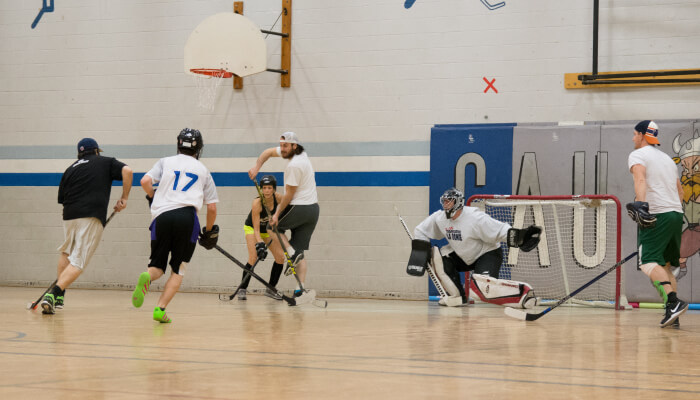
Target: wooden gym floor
<point x="100" y="347"/>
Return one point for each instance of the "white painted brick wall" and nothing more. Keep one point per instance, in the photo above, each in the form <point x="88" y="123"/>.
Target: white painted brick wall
<point x="361" y="71"/>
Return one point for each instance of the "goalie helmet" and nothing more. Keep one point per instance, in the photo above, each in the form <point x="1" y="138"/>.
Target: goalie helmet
<point x="191" y="141"/>
<point x="452" y="194"/>
<point x="269" y="180"/>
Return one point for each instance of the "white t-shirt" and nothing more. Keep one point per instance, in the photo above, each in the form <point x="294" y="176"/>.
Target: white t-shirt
<point x="470" y="235"/>
<point x="300" y="173"/>
<point x="661" y="177"/>
<point x="183" y="181"/>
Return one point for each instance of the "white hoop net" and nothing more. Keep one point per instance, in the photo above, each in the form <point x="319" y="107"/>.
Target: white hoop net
<point x="207" y="86"/>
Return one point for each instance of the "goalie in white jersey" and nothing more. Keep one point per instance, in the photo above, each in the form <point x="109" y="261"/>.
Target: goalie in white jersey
<point x="474" y="244"/>
<point x="184" y="185"/>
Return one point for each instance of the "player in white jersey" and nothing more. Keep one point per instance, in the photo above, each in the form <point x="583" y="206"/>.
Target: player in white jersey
<point x="658" y="212"/>
<point x="184" y="185"/>
<point x="298" y="211"/>
<point x="474" y="245"/>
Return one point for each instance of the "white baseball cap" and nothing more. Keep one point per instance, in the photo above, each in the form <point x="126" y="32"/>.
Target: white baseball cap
<point x="289" y="137"/>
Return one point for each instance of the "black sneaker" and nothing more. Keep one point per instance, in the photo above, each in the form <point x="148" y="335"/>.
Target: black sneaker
<point x="673" y="311"/>
<point x="59" y="303"/>
<point x="47" y="304"/>
<point x="677" y="323"/>
<point x="272" y="294"/>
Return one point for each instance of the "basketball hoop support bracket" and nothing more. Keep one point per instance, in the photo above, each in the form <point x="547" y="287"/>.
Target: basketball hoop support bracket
<point x="286" y="48"/>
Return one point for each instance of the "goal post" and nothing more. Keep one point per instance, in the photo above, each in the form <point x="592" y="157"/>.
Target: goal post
<point x="581" y="237"/>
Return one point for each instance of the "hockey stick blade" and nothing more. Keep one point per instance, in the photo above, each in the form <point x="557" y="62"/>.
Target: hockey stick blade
<point x="226" y="254"/>
<point x="310" y="297"/>
<point x="524" y="316"/>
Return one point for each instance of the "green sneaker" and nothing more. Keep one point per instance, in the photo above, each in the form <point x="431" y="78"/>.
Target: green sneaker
<point x="160" y="316"/>
<point x="141" y="289"/>
<point x="59" y="302"/>
<point x="47" y="304"/>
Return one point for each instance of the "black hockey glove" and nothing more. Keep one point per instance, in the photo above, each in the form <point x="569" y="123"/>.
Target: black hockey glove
<point x="208" y="239"/>
<point x="639" y="212"/>
<point x="261" y="249"/>
<point x="526" y="239"/>
<point x="150" y="199"/>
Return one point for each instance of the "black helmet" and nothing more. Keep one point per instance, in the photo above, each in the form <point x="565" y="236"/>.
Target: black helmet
<point x="269" y="180"/>
<point x="190" y="140"/>
<point x="452" y="194"/>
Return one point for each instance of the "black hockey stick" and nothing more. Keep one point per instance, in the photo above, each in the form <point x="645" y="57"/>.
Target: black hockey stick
<point x="522" y="315"/>
<point x="32" y="305"/>
<point x="245" y="276"/>
<point x="292" y="301"/>
<point x="290" y="263"/>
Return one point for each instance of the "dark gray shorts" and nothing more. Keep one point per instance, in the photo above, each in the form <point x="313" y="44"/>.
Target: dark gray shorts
<point x="301" y="220"/>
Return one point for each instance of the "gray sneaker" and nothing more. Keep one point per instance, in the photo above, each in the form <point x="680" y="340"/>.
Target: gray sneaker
<point x="272" y="294"/>
<point x="242" y="295"/>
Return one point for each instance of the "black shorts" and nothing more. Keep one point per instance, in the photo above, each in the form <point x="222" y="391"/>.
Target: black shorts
<point x="301" y="220"/>
<point x="174" y="233"/>
<point x="488" y="264"/>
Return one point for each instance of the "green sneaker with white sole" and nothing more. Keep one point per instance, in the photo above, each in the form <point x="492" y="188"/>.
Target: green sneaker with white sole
<point x="141" y="289"/>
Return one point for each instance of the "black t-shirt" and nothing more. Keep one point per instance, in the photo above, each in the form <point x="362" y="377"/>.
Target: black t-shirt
<point x="86" y="186"/>
<point x="264" y="219"/>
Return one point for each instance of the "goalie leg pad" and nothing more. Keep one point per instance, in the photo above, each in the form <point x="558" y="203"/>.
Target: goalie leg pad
<point x="503" y="292"/>
<point x="420" y="254"/>
<point x="447" y="283"/>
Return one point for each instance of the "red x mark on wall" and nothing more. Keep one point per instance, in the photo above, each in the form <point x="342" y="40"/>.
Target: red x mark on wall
<point x="490" y="85"/>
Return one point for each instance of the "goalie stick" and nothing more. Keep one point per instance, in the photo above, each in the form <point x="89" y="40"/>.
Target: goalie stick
<point x="32" y="305"/>
<point x="524" y="316"/>
<point x="290" y="263"/>
<point x="431" y="269"/>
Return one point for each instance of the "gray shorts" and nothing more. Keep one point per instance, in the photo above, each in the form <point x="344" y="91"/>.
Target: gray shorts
<point x="82" y="238"/>
<point x="301" y="220"/>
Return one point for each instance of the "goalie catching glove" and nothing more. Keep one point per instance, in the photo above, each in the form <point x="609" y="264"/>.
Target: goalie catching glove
<point x="639" y="212"/>
<point x="208" y="239"/>
<point x="261" y="251"/>
<point x="420" y="254"/>
<point x="525" y="239"/>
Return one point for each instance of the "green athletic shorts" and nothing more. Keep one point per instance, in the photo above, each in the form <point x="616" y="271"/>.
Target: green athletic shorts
<point x="662" y="243"/>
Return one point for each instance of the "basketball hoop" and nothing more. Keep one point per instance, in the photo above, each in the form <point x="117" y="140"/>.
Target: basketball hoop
<point x="208" y="81"/>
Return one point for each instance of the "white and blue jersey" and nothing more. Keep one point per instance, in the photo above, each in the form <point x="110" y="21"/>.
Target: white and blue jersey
<point x="183" y="181"/>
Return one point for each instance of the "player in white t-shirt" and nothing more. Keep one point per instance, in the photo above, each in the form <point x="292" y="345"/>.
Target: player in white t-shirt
<point x="298" y="211"/>
<point x="184" y="185"/>
<point x="658" y="212"/>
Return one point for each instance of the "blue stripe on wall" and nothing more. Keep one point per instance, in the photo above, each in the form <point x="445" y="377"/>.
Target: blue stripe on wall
<point x="237" y="179"/>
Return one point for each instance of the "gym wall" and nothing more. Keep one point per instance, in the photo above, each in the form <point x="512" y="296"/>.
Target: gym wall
<point x="369" y="82"/>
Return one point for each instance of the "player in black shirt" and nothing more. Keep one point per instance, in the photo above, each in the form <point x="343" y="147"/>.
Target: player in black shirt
<point x="84" y="192"/>
<point x="257" y="237"/>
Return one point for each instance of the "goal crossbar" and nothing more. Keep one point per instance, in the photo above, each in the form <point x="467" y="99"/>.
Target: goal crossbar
<point x="581" y="236"/>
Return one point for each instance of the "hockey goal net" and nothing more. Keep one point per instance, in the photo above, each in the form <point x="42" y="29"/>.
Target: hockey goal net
<point x="580" y="239"/>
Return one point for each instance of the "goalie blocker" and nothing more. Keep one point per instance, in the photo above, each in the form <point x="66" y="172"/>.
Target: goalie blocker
<point x="420" y="255"/>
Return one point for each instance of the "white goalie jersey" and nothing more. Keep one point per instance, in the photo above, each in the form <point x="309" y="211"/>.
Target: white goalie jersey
<point x="472" y="234"/>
